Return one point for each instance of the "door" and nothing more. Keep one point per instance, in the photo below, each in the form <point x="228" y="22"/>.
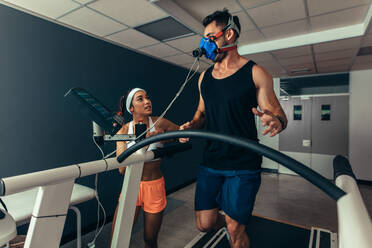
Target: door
<point x="295" y="140"/>
<point x="330" y="132"/>
<point x="318" y="129"/>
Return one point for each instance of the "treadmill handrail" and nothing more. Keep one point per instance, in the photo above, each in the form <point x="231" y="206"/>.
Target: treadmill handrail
<point x="313" y="177"/>
<point x="19" y="183"/>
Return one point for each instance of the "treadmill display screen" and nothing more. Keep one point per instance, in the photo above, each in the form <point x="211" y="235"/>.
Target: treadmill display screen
<point x="96" y="110"/>
<point x="94" y="103"/>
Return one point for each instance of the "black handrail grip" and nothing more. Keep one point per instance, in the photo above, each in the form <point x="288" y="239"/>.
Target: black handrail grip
<point x="171" y="150"/>
<point x="2" y="187"/>
<point x="341" y="166"/>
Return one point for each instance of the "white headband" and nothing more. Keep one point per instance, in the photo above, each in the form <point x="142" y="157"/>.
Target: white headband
<point x="130" y="97"/>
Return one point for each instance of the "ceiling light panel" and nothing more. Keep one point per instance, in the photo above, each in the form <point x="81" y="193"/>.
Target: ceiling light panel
<point x="317" y="7"/>
<point x="160" y="50"/>
<point x="51" y="9"/>
<point x="278" y="12"/>
<point x="337" y="45"/>
<point x="92" y="22"/>
<point x="199" y="9"/>
<point x="132" y="38"/>
<point x="129" y="12"/>
<point x="186" y="44"/>
<point x="339" y="19"/>
<point x="286" y="29"/>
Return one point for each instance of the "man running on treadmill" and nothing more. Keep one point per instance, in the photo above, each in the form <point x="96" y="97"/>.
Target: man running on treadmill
<point x="230" y="92"/>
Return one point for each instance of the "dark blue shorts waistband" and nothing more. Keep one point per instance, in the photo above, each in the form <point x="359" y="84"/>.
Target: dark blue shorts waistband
<point x="230" y="172"/>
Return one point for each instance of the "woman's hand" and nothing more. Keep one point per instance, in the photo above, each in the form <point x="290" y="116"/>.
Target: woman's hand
<point x="158" y="131"/>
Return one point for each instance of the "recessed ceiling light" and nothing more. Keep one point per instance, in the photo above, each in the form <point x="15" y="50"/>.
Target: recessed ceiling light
<point x="165" y="29"/>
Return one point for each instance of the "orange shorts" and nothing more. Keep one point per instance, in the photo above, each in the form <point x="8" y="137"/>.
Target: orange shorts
<point x="151" y="196"/>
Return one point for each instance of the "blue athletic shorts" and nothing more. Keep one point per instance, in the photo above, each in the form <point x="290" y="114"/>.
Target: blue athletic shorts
<point x="234" y="191"/>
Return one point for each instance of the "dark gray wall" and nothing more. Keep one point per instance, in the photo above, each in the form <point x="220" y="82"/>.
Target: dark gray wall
<point x="39" y="129"/>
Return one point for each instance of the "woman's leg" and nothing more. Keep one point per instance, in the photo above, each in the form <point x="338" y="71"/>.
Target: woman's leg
<point x="151" y="228"/>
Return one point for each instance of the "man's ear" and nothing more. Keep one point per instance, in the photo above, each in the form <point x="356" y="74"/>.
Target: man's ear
<point x="229" y="34"/>
<point x="131" y="109"/>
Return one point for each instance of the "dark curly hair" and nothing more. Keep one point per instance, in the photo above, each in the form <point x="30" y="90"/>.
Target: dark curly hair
<point x="222" y="18"/>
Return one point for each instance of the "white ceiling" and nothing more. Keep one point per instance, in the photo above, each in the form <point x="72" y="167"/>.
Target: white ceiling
<point x="262" y="21"/>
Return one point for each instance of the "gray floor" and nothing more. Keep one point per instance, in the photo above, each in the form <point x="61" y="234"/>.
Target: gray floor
<point x="282" y="197"/>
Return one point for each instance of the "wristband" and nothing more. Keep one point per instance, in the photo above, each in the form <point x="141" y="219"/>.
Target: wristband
<point x="281" y="121"/>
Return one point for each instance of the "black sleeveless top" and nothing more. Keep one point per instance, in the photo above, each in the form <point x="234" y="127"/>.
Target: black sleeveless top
<point x="228" y="110"/>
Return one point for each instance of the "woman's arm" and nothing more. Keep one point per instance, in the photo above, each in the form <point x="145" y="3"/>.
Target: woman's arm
<point x="162" y="126"/>
<point x="121" y="146"/>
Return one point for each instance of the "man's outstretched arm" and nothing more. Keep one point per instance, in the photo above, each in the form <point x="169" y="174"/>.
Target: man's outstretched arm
<point x="272" y="115"/>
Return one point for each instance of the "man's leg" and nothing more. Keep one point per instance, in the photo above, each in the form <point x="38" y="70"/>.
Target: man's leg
<point x="237" y="201"/>
<point x="208" y="220"/>
<point x="208" y="186"/>
<point x="238" y="236"/>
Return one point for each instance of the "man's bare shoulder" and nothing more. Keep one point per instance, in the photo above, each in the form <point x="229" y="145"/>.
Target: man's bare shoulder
<point x="260" y="75"/>
<point x="259" y="70"/>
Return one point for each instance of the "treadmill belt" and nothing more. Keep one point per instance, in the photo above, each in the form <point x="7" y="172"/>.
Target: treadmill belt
<point x="264" y="233"/>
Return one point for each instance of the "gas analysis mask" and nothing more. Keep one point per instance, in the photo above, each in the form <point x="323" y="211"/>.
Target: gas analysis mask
<point x="208" y="46"/>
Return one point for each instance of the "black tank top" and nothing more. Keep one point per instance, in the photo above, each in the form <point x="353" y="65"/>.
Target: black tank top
<point x="228" y="110"/>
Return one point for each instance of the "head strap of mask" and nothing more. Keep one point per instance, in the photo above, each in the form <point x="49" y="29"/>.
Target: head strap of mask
<point x="230" y="24"/>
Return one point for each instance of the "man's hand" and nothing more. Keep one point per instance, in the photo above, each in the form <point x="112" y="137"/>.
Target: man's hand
<point x="185" y="126"/>
<point x="270" y="120"/>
